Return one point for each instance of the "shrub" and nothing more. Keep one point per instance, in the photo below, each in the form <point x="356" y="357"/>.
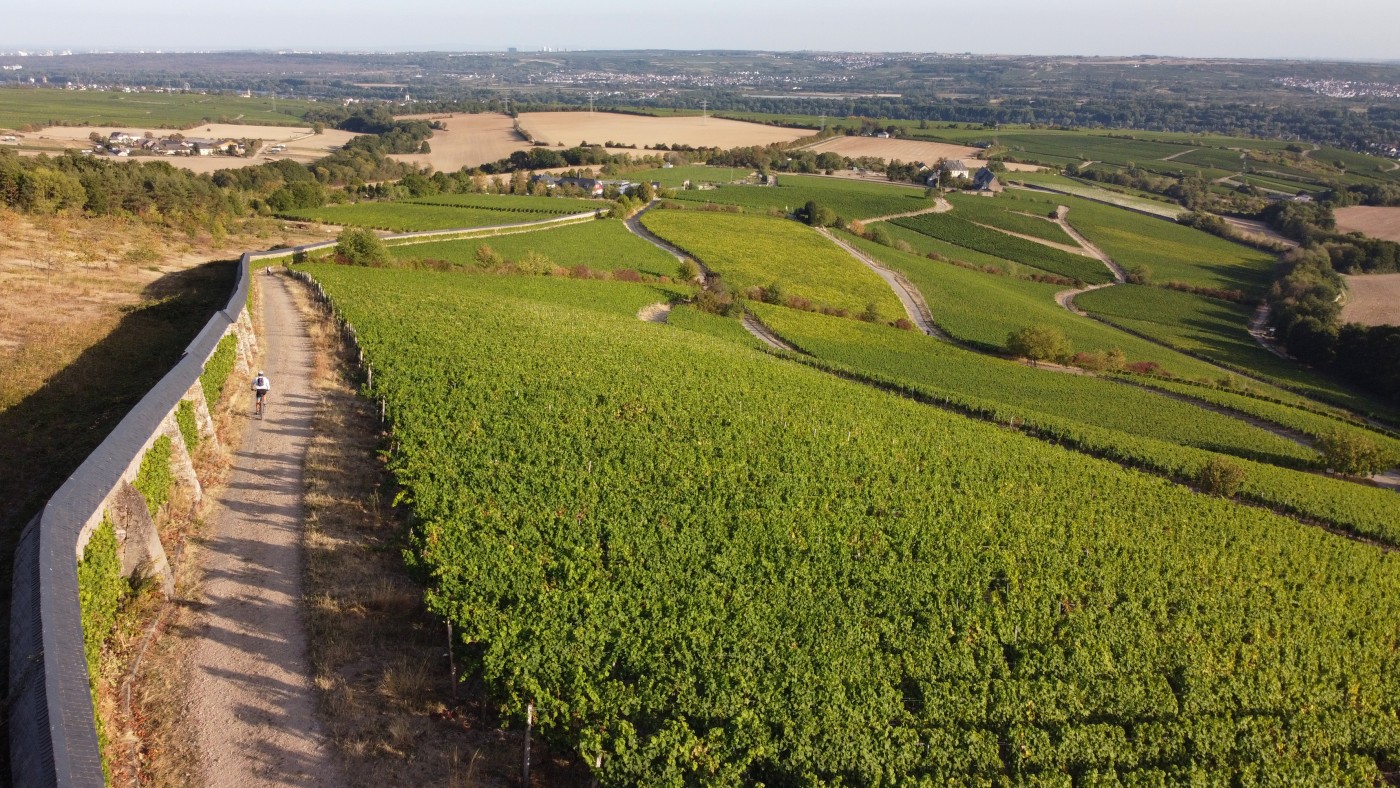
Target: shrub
<point x="218" y="368"/>
<point x="798" y="302"/>
<point x="189" y="426"/>
<point x="360" y="246"/>
<point x="772" y="294"/>
<point x="1143" y="368"/>
<point x="1353" y="453"/>
<point x="581" y="272"/>
<point x="488" y="257"/>
<point x="904" y="324"/>
<point x="534" y="263"/>
<point x="1100" y="360"/>
<point x="1038" y="343"/>
<point x="1221" y="477"/>
<point x="154" y="479"/>
<point x="101" y="589"/>
<point x="689" y="271"/>
<point x="626" y="275"/>
<point x="871" y="313"/>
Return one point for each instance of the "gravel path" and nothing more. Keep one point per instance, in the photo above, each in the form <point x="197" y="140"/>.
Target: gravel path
<point x="251" y="699"/>
<point x="914" y="304"/>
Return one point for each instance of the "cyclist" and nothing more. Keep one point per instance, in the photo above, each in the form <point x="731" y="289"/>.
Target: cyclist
<point x="261" y="385"/>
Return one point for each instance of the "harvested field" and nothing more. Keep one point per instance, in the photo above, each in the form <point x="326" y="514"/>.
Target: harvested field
<point x="1375" y="221"/>
<point x="908" y="150"/>
<point x="469" y="141"/>
<point x="571" y="128"/>
<point x="1372" y="299"/>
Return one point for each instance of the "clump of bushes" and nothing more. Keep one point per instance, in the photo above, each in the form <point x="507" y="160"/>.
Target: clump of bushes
<point x="1221" y="477"/>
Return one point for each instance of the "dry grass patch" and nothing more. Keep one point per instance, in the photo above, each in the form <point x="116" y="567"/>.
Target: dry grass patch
<point x="1372" y="299"/>
<point x="571" y="128"/>
<point x="379" y="660"/>
<point x="1375" y="221"/>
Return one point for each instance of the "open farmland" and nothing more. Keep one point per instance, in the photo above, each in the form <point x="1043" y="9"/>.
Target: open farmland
<point x="1375" y="221"/>
<point x="810" y="581"/>
<point x="758" y="251"/>
<point x="33" y="107"/>
<point x="571" y="128"/>
<point x="1372" y="299"/>
<point x="470" y="140"/>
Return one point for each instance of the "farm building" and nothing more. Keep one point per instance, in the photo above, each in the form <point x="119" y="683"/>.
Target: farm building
<point x="986" y="181"/>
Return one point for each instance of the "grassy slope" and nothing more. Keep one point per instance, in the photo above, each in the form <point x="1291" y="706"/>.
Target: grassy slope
<point x="754" y="251"/>
<point x="603" y="245"/>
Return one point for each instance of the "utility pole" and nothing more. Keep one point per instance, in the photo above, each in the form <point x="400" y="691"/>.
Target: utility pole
<point x="823" y="131"/>
<point x="704" y="110"/>
<point x="590" y="103"/>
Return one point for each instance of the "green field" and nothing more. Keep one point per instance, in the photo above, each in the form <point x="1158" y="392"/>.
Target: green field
<point x="981" y="309"/>
<point x="514" y="202"/>
<point x="926" y="245"/>
<point x="1171" y="251"/>
<point x="1015" y="388"/>
<point x="405" y="217"/>
<point x="703" y="565"/>
<point x="1217" y="331"/>
<point x="1125" y="198"/>
<point x="756" y="251"/>
<point x="603" y="245"/>
<point x="20" y="107"/>
<point x="1023" y="212"/>
<point x="674" y="177"/>
<point x="961" y="232"/>
<point x="1076" y="412"/>
<point x="850" y="199"/>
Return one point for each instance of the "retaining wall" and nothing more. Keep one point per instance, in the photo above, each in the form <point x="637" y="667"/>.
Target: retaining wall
<point x="53" y="737"/>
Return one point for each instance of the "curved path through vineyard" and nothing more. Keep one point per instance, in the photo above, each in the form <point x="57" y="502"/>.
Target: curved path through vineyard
<point x="251" y="699"/>
<point x="909" y="295"/>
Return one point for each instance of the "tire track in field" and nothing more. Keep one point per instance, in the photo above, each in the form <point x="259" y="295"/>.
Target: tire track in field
<point x="763" y="333"/>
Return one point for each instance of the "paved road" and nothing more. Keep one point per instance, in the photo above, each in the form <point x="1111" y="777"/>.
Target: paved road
<point x="251" y="697"/>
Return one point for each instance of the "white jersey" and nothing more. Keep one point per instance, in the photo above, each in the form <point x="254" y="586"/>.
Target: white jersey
<point x="261" y="383"/>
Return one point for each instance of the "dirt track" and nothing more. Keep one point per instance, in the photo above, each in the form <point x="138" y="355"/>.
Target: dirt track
<point x="251" y="700"/>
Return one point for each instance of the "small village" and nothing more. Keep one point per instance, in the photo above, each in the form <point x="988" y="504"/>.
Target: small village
<point x="122" y="143"/>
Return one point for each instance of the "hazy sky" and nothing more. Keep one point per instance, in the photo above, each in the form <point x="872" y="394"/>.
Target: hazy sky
<point x="1351" y="29"/>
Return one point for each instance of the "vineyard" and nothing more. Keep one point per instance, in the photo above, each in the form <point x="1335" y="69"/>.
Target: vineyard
<point x="604" y="245"/>
<point x="981" y="309"/>
<point x="850" y="199"/>
<point x="1171" y="252"/>
<point x="701" y="564"/>
<point x="1216" y="330"/>
<point x="961" y="232"/>
<point x="408" y="217"/>
<point x="1018" y="212"/>
<point x="513" y="202"/>
<point x="759" y="251"/>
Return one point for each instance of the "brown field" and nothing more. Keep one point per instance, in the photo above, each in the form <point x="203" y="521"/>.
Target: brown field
<point x="908" y="150"/>
<point x="1375" y="221"/>
<point x="572" y="128"/>
<point x="1372" y="299"/>
<point x="469" y="141"/>
<point x="302" y="144"/>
